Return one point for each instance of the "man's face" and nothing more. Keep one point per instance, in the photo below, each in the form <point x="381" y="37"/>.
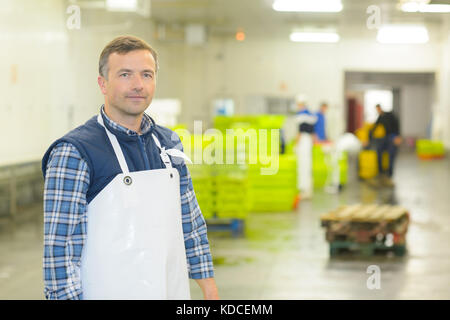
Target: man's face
<point x="131" y="81"/>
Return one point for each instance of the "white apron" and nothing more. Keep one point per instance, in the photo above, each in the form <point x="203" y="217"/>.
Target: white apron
<point x="304" y="156"/>
<point x="135" y="245"/>
<point x="304" y="163"/>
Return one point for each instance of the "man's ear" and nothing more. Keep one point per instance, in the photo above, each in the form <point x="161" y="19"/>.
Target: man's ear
<point x="102" y="84"/>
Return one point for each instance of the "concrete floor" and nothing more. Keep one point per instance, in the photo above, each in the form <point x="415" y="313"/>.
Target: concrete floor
<point x="285" y="255"/>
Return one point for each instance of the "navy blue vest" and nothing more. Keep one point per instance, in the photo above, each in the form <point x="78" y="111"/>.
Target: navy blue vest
<point x="140" y="152"/>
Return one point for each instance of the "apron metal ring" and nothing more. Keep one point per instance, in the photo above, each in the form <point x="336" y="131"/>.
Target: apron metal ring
<point x="127" y="180"/>
<point x="171" y="175"/>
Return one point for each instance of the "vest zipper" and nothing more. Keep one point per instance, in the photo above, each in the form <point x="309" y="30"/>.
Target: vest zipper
<point x="144" y="153"/>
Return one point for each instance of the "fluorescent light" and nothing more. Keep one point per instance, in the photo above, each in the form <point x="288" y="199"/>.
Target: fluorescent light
<point x="410" y="7"/>
<point x="307" y="5"/>
<point x="121" y="5"/>
<point x="402" y="34"/>
<point x="435" y="8"/>
<point x="323" y="37"/>
<point x="413" y="6"/>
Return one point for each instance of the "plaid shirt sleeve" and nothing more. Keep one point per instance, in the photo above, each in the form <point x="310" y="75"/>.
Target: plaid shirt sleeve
<point x="198" y="254"/>
<point x="65" y="188"/>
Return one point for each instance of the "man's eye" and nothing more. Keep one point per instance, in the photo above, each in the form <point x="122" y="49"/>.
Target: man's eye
<point x="148" y="75"/>
<point x="124" y="75"/>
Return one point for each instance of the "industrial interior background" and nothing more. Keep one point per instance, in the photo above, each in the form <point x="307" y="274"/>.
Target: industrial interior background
<point x="232" y="64"/>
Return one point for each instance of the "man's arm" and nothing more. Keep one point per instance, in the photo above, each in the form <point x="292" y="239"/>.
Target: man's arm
<point x="200" y="266"/>
<point x="377" y="122"/>
<point x="209" y="288"/>
<point x="396" y="130"/>
<point x="66" y="184"/>
<point x="196" y="240"/>
<point x="395" y="125"/>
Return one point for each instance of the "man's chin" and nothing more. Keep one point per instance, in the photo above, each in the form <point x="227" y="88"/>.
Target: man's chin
<point x="132" y="111"/>
<point x="131" y="108"/>
<point x="136" y="108"/>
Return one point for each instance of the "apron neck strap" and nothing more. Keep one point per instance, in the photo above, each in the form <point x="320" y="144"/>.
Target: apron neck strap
<point x="115" y="144"/>
<point x="164" y="156"/>
<point x="120" y="157"/>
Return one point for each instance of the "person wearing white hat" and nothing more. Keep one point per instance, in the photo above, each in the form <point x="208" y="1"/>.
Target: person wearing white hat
<point x="304" y="143"/>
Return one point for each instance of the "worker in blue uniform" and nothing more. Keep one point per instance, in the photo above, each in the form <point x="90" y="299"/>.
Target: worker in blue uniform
<point x="319" y="127"/>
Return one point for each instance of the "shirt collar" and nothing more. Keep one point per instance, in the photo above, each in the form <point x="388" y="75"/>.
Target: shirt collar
<point x="146" y="124"/>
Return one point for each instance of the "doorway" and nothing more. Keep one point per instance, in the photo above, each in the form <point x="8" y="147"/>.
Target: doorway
<point x="410" y="96"/>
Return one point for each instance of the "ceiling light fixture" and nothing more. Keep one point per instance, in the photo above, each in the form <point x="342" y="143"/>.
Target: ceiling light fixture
<point x="122" y="5"/>
<point x="398" y="34"/>
<point x="307" y="5"/>
<point x="435" y="8"/>
<point x="425" y="7"/>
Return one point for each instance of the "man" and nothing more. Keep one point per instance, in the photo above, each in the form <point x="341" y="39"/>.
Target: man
<point x="319" y="127"/>
<point x="120" y="214"/>
<point x="389" y="142"/>
<point x="304" y="143"/>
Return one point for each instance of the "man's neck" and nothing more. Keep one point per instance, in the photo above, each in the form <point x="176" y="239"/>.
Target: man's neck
<point x="128" y="121"/>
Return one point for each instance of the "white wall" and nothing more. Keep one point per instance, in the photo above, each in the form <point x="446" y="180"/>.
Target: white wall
<point x="441" y="111"/>
<point x="34" y="77"/>
<point x="415" y="111"/>
<point x="258" y="67"/>
<point x="56" y="87"/>
<point x="56" y="84"/>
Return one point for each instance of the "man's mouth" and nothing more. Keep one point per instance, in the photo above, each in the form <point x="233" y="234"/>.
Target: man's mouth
<point x="135" y="97"/>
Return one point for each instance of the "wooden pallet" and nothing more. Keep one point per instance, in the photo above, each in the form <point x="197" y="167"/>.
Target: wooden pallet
<point x="340" y="248"/>
<point x="365" y="229"/>
<point x="371" y="213"/>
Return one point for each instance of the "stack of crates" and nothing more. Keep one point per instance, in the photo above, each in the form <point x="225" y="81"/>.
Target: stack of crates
<point x="223" y="123"/>
<point x="248" y="125"/>
<point x="267" y="192"/>
<point x="203" y="182"/>
<point x="194" y="147"/>
<point x="202" y="176"/>
<point x="321" y="169"/>
<point x="429" y="149"/>
<point x="271" y="192"/>
<point x="221" y="189"/>
<point x="231" y="191"/>
<point x="368" y="163"/>
<point x="277" y="192"/>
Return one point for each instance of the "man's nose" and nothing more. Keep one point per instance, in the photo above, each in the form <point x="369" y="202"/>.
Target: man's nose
<point x="138" y="84"/>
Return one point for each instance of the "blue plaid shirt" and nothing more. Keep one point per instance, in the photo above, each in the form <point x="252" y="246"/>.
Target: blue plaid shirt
<point x="65" y="219"/>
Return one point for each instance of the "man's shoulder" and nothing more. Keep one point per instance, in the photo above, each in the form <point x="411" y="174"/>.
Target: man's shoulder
<point x="166" y="133"/>
<point x="72" y="140"/>
<point x="83" y="129"/>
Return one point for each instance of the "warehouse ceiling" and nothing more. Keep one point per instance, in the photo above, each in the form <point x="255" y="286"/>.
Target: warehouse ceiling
<point x="223" y="18"/>
<point x="259" y="15"/>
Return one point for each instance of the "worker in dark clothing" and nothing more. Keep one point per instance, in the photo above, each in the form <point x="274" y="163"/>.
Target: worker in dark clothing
<point x="389" y="143"/>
